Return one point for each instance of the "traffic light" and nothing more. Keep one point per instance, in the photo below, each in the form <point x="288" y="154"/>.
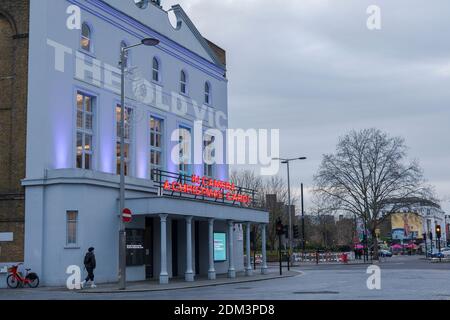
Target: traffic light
<point x="279" y="227"/>
<point x="286" y="231"/>
<point x="296" y="235"/>
<point x="438" y="231"/>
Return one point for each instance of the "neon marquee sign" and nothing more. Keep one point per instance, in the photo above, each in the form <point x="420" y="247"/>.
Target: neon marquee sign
<point x="210" y="188"/>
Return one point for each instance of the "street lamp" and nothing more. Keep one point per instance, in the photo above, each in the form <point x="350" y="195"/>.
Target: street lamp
<point x="122" y="232"/>
<point x="287" y="161"/>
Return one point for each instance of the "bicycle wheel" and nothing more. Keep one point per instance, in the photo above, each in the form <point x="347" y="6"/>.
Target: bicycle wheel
<point x="12" y="282"/>
<point x="33" y="280"/>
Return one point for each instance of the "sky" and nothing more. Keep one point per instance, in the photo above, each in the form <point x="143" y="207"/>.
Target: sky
<point x="313" y="69"/>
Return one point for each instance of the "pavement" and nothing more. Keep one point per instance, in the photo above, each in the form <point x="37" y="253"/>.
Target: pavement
<point x="402" y="278"/>
<point x="178" y="284"/>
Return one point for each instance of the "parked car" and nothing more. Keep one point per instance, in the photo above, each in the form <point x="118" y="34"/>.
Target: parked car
<point x="384" y="253"/>
<point x="446" y="252"/>
<point x="436" y="254"/>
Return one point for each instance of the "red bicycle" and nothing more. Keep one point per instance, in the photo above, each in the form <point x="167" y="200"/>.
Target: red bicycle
<point x="15" y="278"/>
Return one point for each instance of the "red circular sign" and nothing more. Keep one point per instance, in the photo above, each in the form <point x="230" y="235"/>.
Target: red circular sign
<point x="126" y="215"/>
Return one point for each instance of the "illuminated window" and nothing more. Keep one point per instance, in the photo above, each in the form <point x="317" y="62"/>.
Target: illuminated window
<point x="128" y="138"/>
<point x="86" y="37"/>
<point x="71" y="227"/>
<point x="156" y="66"/>
<point x="208" y="156"/>
<point x="156" y="145"/>
<point x="183" y="82"/>
<point x="184" y="151"/>
<point x="207" y="93"/>
<point x="85" y="130"/>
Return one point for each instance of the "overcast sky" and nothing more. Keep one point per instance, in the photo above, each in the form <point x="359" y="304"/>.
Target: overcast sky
<point x="312" y="69"/>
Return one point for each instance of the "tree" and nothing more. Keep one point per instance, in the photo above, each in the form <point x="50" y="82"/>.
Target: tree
<point x="275" y="185"/>
<point x="370" y="177"/>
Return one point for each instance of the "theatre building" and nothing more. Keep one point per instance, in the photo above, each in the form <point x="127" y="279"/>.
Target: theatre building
<point x="188" y="219"/>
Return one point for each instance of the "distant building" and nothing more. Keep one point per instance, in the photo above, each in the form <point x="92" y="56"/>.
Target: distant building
<point x="411" y="222"/>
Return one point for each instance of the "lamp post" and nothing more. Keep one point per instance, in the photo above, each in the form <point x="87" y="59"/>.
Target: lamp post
<point x="122" y="231"/>
<point x="287" y="161"/>
<point x="303" y="225"/>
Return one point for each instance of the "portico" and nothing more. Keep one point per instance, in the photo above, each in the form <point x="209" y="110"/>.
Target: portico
<point x="187" y="229"/>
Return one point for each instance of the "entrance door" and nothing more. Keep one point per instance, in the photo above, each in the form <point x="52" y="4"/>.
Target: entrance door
<point x="175" y="248"/>
<point x="148" y="247"/>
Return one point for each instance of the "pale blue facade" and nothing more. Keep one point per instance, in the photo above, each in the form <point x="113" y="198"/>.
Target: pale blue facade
<point x="59" y="71"/>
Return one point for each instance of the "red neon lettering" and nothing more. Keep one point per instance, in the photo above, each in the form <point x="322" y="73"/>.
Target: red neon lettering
<point x="166" y="185"/>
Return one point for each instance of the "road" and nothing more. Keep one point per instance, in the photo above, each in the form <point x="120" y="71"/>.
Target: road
<point x="408" y="278"/>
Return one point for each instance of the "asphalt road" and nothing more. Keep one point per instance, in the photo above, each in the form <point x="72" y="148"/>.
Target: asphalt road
<point x="408" y="278"/>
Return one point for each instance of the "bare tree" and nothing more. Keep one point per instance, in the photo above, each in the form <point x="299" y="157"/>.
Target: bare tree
<point x="370" y="177"/>
<point x="272" y="185"/>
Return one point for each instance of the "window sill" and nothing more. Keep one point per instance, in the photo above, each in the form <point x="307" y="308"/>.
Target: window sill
<point x="88" y="53"/>
<point x="184" y="95"/>
<point x="157" y="83"/>
<point x="72" y="247"/>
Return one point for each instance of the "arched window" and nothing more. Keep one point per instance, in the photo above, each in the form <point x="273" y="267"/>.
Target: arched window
<point x="183" y="82"/>
<point x="123" y="44"/>
<point x="207" y="93"/>
<point x="86" y="37"/>
<point x="156" y="70"/>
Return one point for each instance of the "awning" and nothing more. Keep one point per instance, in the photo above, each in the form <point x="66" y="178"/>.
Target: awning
<point x="197" y="208"/>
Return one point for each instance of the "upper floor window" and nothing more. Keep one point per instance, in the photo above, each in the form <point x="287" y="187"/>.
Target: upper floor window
<point x="183" y="82"/>
<point x="208" y="156"/>
<point x="185" y="151"/>
<point x="86" y="37"/>
<point x="127" y="134"/>
<point x="156" y="145"/>
<point x="85" y="130"/>
<point x="207" y="93"/>
<point x="156" y="66"/>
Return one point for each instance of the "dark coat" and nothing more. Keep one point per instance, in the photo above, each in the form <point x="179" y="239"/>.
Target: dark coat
<point x="89" y="261"/>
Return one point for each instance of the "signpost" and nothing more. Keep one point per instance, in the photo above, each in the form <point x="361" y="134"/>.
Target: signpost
<point x="126" y="215"/>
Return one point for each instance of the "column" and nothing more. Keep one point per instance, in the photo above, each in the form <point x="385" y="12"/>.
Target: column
<point x="263" y="249"/>
<point x="163" y="276"/>
<point x="231" y="270"/>
<point x="189" y="274"/>
<point x="248" y="268"/>
<point x="211" y="270"/>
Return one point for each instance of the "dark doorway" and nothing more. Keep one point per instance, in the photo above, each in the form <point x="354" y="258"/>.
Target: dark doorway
<point x="148" y="247"/>
<point x="174" y="248"/>
<point x="197" y="247"/>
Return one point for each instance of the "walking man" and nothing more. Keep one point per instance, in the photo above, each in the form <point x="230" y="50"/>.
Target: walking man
<point x="89" y="264"/>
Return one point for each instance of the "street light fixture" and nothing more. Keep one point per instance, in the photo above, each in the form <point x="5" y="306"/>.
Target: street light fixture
<point x="287" y="161"/>
<point x="122" y="232"/>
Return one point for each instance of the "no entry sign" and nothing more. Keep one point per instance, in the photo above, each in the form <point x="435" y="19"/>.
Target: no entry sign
<point x="126" y="215"/>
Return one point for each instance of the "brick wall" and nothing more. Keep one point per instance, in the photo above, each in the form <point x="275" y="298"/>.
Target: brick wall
<point x="14" y="24"/>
